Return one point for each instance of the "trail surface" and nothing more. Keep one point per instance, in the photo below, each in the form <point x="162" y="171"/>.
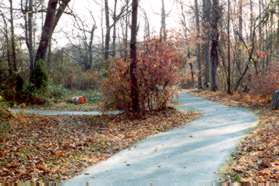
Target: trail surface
<point x="190" y="155"/>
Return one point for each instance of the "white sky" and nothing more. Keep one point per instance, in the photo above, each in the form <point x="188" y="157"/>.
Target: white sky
<point x="83" y="8"/>
<point x="152" y="7"/>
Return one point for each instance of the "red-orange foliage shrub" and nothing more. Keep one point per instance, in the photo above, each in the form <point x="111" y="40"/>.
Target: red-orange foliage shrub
<point x="157" y="74"/>
<point x="265" y="84"/>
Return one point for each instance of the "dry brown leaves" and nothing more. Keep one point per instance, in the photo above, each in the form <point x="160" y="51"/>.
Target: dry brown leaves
<point x="257" y="158"/>
<point x="237" y="99"/>
<point x="59" y="147"/>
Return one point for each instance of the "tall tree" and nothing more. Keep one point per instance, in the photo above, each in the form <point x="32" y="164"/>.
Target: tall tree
<point x="55" y="10"/>
<point x="146" y="26"/>
<point x="53" y="15"/>
<point x="229" y="91"/>
<point x="126" y="30"/>
<point x="13" y="44"/>
<point x="114" y="29"/>
<point x="133" y="56"/>
<point x="183" y="19"/>
<point x="239" y="36"/>
<point x="206" y="7"/>
<point x="116" y="17"/>
<point x="86" y="37"/>
<point x="7" y="42"/>
<point x="277" y="45"/>
<point x="28" y="13"/>
<point x="108" y="30"/>
<point x="198" y="45"/>
<point x="163" y="30"/>
<point x="214" y="56"/>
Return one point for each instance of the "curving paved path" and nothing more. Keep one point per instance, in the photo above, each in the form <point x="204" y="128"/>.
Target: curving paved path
<point x="60" y="113"/>
<point x="190" y="155"/>
<point x="186" y="156"/>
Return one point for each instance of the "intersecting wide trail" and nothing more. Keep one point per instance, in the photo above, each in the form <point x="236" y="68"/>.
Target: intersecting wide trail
<point x="190" y="155"/>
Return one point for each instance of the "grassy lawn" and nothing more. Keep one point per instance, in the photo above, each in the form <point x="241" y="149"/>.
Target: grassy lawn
<point x="61" y="101"/>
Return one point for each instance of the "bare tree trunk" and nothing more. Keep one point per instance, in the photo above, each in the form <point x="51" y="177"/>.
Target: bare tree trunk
<point x="214" y="44"/>
<point x="28" y="21"/>
<point x="53" y="15"/>
<point x="252" y="20"/>
<point x="192" y="74"/>
<point x="90" y="47"/>
<point x="269" y="39"/>
<point x="133" y="53"/>
<point x="261" y="33"/>
<point x="250" y="58"/>
<point x="114" y="29"/>
<point x="229" y="91"/>
<point x="146" y="26"/>
<point x="126" y="30"/>
<point x="47" y="30"/>
<point x="108" y="29"/>
<point x="163" y="30"/>
<point x="277" y="44"/>
<point x="102" y="27"/>
<point x="205" y="47"/>
<point x="30" y="35"/>
<point x="13" y="44"/>
<point x="239" y="34"/>
<point x="198" y="47"/>
<point x="7" y="41"/>
<point x="183" y="20"/>
<point x="49" y="55"/>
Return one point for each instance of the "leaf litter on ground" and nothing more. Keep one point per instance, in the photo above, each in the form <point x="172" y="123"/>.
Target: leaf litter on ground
<point x="57" y="148"/>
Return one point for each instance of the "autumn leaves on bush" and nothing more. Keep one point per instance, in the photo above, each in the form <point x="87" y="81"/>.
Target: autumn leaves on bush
<point x="157" y="72"/>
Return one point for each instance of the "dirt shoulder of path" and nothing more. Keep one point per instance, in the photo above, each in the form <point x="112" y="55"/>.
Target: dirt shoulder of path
<point x="55" y="148"/>
<point x="257" y="156"/>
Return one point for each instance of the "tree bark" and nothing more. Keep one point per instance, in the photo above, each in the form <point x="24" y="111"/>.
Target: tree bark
<point x="206" y="35"/>
<point x="126" y="52"/>
<point x="108" y="29"/>
<point x="90" y="47"/>
<point x="275" y="100"/>
<point x="198" y="45"/>
<point x="28" y="22"/>
<point x="146" y="26"/>
<point x="7" y="41"/>
<point x="229" y="91"/>
<point x="13" y="44"/>
<point x="47" y="30"/>
<point x="53" y="15"/>
<point x="239" y="34"/>
<point x="114" y="29"/>
<point x="163" y="30"/>
<point x="214" y="56"/>
<point x="133" y="56"/>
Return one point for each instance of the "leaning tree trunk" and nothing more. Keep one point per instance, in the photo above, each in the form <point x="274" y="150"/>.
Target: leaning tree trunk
<point x="55" y="10"/>
<point x="275" y="100"/>
<point x="47" y="31"/>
